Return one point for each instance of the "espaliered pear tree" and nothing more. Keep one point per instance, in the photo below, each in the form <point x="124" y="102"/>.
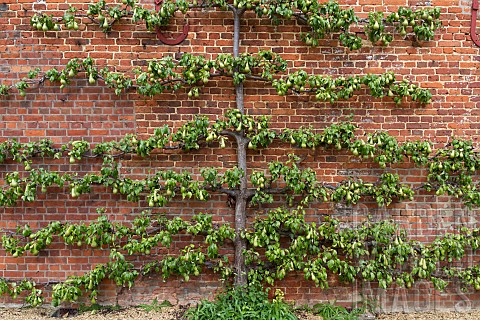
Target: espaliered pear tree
<point x="372" y="252"/>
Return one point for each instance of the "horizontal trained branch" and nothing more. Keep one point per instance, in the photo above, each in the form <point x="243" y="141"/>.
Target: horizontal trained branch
<point x="146" y="233"/>
<point x="377" y="251"/>
<point x="371" y="251"/>
<point x="191" y="71"/>
<point x="450" y="170"/>
<point x="321" y="18"/>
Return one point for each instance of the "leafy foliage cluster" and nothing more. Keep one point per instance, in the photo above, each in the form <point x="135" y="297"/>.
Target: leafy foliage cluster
<point x="146" y="233"/>
<point x="451" y="169"/>
<point x="246" y="303"/>
<point x="330" y="311"/>
<point x="191" y="71"/>
<point x="322" y="18"/>
<point x="377" y="251"/>
<point x="370" y="252"/>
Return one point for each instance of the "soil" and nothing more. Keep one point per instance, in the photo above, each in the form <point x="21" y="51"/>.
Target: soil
<point x="432" y="316"/>
<point x="176" y="313"/>
<point x="44" y="313"/>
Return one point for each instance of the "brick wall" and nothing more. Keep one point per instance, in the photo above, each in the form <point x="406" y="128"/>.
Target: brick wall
<point x="448" y="66"/>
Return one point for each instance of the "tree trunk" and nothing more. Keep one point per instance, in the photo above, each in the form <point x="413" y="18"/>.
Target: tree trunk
<point x="241" y="198"/>
<point x="241" y="215"/>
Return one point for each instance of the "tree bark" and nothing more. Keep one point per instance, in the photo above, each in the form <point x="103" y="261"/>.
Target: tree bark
<point x="241" y="196"/>
<point x="241" y="215"/>
<point x="236" y="48"/>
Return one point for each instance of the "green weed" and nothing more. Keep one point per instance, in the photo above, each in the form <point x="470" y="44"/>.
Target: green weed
<point x="246" y="303"/>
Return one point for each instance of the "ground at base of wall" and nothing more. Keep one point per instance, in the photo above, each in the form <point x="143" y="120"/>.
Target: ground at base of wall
<point x="474" y="315"/>
<point x="44" y="313"/>
<point x="176" y="313"/>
